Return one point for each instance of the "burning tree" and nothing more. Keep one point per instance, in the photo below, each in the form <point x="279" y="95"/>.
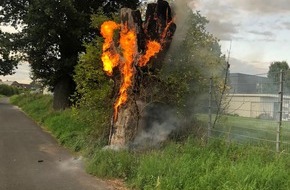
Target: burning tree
<point x="138" y="51"/>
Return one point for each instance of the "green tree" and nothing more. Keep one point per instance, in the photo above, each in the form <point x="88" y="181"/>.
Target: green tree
<point x="52" y="37"/>
<point x="191" y="63"/>
<point x="273" y="75"/>
<point x="275" y="68"/>
<point x="8" y="62"/>
<point x="8" y="90"/>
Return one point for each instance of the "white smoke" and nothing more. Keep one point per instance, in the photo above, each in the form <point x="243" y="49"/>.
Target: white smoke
<point x="157" y="124"/>
<point x="181" y="10"/>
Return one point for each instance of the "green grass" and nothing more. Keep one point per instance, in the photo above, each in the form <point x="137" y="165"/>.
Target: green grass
<point x="188" y="165"/>
<point x="250" y="130"/>
<point x="194" y="166"/>
<point x="65" y="125"/>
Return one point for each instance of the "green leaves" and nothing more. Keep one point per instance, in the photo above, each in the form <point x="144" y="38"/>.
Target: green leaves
<point x="8" y="58"/>
<point x="191" y="63"/>
<point x="93" y="86"/>
<point x="54" y="31"/>
<point x="275" y="68"/>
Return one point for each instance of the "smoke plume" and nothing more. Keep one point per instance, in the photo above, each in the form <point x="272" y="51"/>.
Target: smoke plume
<point x="157" y="122"/>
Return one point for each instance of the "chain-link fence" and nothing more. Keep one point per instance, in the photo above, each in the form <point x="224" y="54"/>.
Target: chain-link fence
<point x="254" y="109"/>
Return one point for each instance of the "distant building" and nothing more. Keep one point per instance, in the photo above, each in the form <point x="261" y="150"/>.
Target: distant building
<point x="247" y="84"/>
<point x="256" y="97"/>
<point x="16" y="84"/>
<point x="258" y="106"/>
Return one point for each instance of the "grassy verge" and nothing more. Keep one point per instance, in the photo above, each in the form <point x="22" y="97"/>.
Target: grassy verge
<point x="64" y="125"/>
<point x="188" y="165"/>
<point x="251" y="130"/>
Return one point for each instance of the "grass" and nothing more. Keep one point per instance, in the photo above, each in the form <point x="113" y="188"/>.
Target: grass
<point x="189" y="165"/>
<point x="194" y="166"/>
<point x="250" y="130"/>
<point x="64" y="125"/>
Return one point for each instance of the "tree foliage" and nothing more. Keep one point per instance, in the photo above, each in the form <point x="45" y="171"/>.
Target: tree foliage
<point x="94" y="89"/>
<point x="53" y="33"/>
<point x="9" y="90"/>
<point x="275" y="68"/>
<point x="8" y="61"/>
<point x="274" y="73"/>
<point x="191" y="63"/>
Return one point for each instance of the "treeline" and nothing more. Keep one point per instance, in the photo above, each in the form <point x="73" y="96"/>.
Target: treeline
<point x="9" y="90"/>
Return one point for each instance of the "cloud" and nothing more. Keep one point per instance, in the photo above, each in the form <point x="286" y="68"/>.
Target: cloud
<point x="222" y="30"/>
<point x="253" y="67"/>
<point x="286" y="25"/>
<point x="21" y="74"/>
<point x="235" y="19"/>
<point x="262" y="33"/>
<point x="259" y="30"/>
<point x="262" y="6"/>
<point x="223" y="22"/>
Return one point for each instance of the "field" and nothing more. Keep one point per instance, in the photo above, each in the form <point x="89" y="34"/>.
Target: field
<point x="250" y="130"/>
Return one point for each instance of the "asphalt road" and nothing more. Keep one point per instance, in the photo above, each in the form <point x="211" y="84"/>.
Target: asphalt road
<point x="30" y="159"/>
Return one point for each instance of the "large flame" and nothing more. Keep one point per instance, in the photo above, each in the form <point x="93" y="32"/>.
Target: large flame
<point x="153" y="47"/>
<point x="110" y="58"/>
<point x="126" y="61"/>
<point x="128" y="42"/>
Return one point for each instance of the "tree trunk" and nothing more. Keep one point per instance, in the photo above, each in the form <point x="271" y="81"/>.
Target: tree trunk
<point x="158" y="27"/>
<point x="62" y="92"/>
<point x="124" y="128"/>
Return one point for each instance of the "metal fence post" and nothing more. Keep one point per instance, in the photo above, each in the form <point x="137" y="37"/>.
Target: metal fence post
<point x="209" y="110"/>
<point x="278" y="138"/>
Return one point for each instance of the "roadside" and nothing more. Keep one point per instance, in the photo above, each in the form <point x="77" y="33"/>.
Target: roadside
<point x="31" y="159"/>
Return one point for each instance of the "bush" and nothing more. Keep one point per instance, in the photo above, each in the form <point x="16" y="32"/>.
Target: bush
<point x="9" y="90"/>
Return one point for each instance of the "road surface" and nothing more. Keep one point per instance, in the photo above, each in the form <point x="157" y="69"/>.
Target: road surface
<point x="30" y="159"/>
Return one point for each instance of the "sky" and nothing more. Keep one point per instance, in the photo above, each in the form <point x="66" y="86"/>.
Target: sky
<point x="255" y="32"/>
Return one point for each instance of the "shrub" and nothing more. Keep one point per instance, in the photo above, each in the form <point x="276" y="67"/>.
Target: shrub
<point x="9" y="90"/>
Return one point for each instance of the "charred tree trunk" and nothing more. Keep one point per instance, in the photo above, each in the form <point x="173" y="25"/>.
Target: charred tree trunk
<point x="125" y="126"/>
<point x="159" y="27"/>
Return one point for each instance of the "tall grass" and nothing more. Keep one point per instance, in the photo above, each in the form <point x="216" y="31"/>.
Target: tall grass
<point x="192" y="164"/>
<point x="66" y="126"/>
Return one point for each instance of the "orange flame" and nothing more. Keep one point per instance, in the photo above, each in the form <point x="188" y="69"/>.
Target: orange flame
<point x="153" y="47"/>
<point x="164" y="33"/>
<point x="125" y="62"/>
<point x="128" y="42"/>
<point x="110" y="58"/>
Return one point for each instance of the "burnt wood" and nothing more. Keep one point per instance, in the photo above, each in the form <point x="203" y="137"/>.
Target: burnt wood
<point x="158" y="26"/>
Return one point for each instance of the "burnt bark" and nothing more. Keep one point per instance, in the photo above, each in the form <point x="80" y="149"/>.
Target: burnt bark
<point x="125" y="127"/>
<point x="157" y="26"/>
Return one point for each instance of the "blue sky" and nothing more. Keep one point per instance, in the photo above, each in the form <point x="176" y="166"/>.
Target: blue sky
<point x="258" y="31"/>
